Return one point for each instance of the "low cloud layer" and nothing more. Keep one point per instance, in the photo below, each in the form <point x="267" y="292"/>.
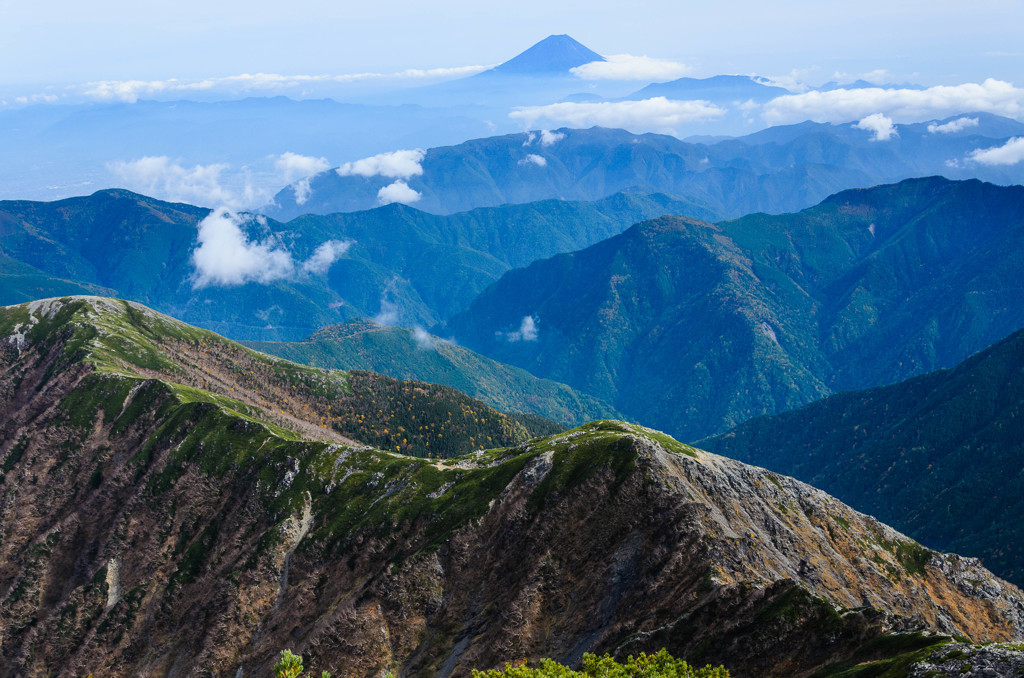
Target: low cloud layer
<point x="159" y="176"/>
<point x="130" y="91"/>
<point x="880" y="125"/>
<point x="903" y="105"/>
<point x="1010" y="153"/>
<point x="226" y="257"/>
<point x="396" y="165"/>
<point x="546" y="138"/>
<point x="629" y="67"/>
<point x="217" y="184"/>
<point x="953" y="126"/>
<point x="424" y="340"/>
<point x="325" y="255"/>
<point x="549" y="138"/>
<point x="293" y="166"/>
<point x="534" y="159"/>
<point x="656" y="114"/>
<point x="302" y="190"/>
<point x="398" y="192"/>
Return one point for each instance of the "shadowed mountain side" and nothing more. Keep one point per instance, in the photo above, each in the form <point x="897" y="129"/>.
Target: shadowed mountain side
<point x="869" y="287"/>
<point x="940" y="456"/>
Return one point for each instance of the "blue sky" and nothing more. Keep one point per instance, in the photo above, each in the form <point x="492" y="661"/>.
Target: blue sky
<point x="937" y="42"/>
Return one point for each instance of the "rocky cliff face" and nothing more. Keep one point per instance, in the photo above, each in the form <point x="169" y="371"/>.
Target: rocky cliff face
<point x="150" y="527"/>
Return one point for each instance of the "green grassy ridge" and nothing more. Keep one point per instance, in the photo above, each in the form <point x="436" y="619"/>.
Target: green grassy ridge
<point x="352" y="489"/>
<point x="398" y="353"/>
<point x="938" y="456"/>
<point x="127" y="340"/>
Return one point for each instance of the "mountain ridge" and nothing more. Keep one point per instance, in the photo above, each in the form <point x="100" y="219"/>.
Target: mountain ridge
<point x="214" y="540"/>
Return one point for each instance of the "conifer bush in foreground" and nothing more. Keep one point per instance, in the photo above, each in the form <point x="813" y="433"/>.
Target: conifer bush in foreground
<point x="660" y="665"/>
<point x="290" y="666"/>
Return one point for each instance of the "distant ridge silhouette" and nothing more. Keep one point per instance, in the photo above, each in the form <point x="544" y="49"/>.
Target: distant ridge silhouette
<point x="553" y="54"/>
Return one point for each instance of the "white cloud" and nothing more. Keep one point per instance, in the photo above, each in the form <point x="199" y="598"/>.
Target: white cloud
<point x="534" y="159"/>
<point x="549" y="138"/>
<point x="952" y="126"/>
<point x="293" y="166"/>
<point x="904" y="105"/>
<point x="160" y="176"/>
<point x="36" y="99"/>
<point x="226" y="256"/>
<point x="1009" y="153"/>
<point x="629" y="67"/>
<point x="398" y="192"/>
<point x="302" y="190"/>
<point x="527" y="330"/>
<point x="658" y="114"/>
<point x="546" y="137"/>
<point x="396" y="165"/>
<point x="388" y="314"/>
<point x="422" y="338"/>
<point x="325" y="255"/>
<point x="130" y="91"/>
<point x="217" y="184"/>
<point x="879" y="124"/>
<point x="794" y="81"/>
<point x="879" y="76"/>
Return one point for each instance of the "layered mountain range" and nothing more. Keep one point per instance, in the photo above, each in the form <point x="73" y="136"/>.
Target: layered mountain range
<point x="418" y="267"/>
<point x="177" y="503"/>
<point x="867" y="288"/>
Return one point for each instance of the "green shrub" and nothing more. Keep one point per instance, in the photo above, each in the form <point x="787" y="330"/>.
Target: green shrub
<point x="660" y="665"/>
<point x="290" y="666"/>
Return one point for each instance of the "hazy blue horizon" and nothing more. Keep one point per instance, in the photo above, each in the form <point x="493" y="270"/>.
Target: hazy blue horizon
<point x="932" y="43"/>
<point x="960" y="60"/>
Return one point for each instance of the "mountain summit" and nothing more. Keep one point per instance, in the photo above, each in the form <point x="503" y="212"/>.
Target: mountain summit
<point x="555" y="54"/>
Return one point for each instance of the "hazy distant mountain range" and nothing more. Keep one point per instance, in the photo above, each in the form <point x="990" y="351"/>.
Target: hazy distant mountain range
<point x="780" y="169"/>
<point x="239" y="153"/>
